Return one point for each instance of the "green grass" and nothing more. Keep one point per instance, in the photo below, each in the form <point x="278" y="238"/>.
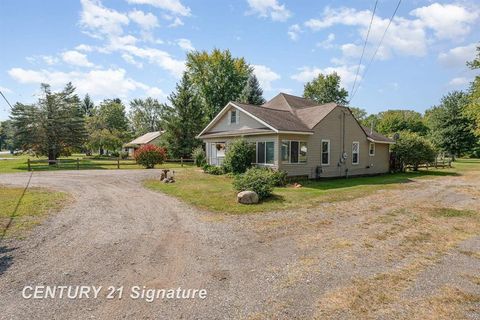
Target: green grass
<point x="452" y="213"/>
<point x="19" y="164"/>
<point x="215" y="193"/>
<point x="19" y="211"/>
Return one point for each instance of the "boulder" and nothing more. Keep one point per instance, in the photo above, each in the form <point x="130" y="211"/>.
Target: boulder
<point x="247" y="197"/>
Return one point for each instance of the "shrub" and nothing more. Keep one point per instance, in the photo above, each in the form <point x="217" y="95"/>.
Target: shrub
<point x="255" y="179"/>
<point x="279" y="178"/>
<point x="149" y="155"/>
<point x="124" y="155"/>
<point x="213" y="170"/>
<point x="412" y="149"/>
<point x="115" y="154"/>
<point x="238" y="157"/>
<point x="199" y="156"/>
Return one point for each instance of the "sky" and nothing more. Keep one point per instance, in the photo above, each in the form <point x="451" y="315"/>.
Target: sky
<point x="137" y="48"/>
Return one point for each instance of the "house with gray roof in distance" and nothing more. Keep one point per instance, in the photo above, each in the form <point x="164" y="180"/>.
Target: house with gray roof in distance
<point x="299" y="136"/>
<point x="147" y="138"/>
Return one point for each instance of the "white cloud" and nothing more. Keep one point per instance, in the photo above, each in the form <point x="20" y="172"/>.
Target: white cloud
<point x="459" y="82"/>
<point x="457" y="57"/>
<point x="155" y="92"/>
<point x="177" y="22"/>
<point x="97" y="83"/>
<point x="265" y="76"/>
<point x="129" y="59"/>
<point x="5" y="90"/>
<point x="346" y="73"/>
<point x="76" y="58"/>
<point x="158" y="57"/>
<point x="185" y="44"/>
<point x="174" y="6"/>
<point x="146" y="21"/>
<point x="293" y="31"/>
<point x="84" y="48"/>
<point x="269" y="9"/>
<point x="449" y="21"/>
<point x="327" y="43"/>
<point x="101" y="21"/>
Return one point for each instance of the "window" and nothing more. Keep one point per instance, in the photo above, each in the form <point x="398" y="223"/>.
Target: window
<point x="371" y="149"/>
<point x="355" y="152"/>
<point x="285" y="151"/>
<point x="265" y="152"/>
<point x="233" y="116"/>
<point x="294" y="151"/>
<point x="326" y="152"/>
<point x="302" y="157"/>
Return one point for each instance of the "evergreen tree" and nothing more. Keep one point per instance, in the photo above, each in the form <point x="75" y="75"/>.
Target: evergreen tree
<point x="51" y="127"/>
<point x="252" y="93"/>
<point x="87" y="106"/>
<point x="182" y="121"/>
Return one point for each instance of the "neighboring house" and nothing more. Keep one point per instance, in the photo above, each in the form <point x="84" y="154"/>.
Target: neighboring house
<point x="299" y="136"/>
<point x="147" y="138"/>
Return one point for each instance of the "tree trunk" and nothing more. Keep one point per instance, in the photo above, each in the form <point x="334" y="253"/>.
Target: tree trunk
<point x="51" y="157"/>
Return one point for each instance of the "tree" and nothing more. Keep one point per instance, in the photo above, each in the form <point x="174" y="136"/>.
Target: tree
<point x="413" y="149"/>
<point x="358" y="113"/>
<point x="217" y="77"/>
<point x="451" y="130"/>
<point x="108" y="127"/>
<point x="51" y="127"/>
<point x="326" y="89"/>
<point x="87" y="106"/>
<point x="6" y="136"/>
<point x="145" y="115"/>
<point x="393" y="121"/>
<point x="370" y="122"/>
<point x="182" y="121"/>
<point x="472" y="110"/>
<point x="252" y="93"/>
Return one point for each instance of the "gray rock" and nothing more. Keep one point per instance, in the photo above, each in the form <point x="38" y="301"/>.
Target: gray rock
<point x="247" y="197"/>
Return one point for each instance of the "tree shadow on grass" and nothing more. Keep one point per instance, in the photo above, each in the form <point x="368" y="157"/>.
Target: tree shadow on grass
<point x="386" y="179"/>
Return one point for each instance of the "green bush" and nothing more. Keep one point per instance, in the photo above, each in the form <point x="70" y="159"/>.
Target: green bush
<point x="149" y="155"/>
<point x="255" y="179"/>
<point x="199" y="156"/>
<point x="279" y="177"/>
<point x="238" y="157"/>
<point x="412" y="150"/>
<point x="124" y="155"/>
<point x="213" y="170"/>
<point x="115" y="154"/>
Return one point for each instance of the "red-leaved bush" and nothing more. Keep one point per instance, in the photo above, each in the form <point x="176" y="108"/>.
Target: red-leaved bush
<point x="149" y="155"/>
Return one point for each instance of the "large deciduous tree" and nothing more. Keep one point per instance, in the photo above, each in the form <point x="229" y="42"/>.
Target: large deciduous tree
<point x="325" y="89"/>
<point x="393" y="121"/>
<point x="472" y="110"/>
<point x="217" y="78"/>
<point x="450" y="129"/>
<point x="252" y="93"/>
<point x="52" y="127"/>
<point x="145" y="115"/>
<point x="182" y="120"/>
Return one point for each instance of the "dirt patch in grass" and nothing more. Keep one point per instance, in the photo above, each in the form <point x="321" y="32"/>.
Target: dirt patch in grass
<point x="20" y="212"/>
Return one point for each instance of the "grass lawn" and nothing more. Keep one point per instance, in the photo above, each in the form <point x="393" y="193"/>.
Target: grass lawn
<point x="215" y="193"/>
<point x="11" y="164"/>
<point x="20" y="212"/>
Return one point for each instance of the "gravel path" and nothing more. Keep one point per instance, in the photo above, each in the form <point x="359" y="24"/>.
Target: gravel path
<point x="276" y="265"/>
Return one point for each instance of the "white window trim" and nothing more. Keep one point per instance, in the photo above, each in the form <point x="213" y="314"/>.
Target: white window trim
<point x="369" y="145"/>
<point x="358" y="153"/>
<point x="321" y="152"/>
<point x="290" y="148"/>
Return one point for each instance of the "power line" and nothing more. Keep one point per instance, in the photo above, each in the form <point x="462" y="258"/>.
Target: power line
<point x="6" y="99"/>
<point x="379" y="45"/>
<point x="364" y="46"/>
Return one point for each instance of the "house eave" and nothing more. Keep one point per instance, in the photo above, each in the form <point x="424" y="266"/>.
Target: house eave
<point x="379" y="141"/>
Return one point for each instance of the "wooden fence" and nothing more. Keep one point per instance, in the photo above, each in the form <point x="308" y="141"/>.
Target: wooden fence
<point x="92" y="163"/>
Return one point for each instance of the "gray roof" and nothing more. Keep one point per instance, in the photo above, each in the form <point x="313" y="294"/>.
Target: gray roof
<point x="145" y="139"/>
<point x="376" y="136"/>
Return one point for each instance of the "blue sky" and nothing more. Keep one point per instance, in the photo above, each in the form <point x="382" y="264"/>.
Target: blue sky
<point x="136" y="48"/>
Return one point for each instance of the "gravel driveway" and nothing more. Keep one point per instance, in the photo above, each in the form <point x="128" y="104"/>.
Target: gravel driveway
<point x="279" y="265"/>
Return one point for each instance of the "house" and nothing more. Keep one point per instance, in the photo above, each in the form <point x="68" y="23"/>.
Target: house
<point x="147" y="138"/>
<point x="299" y="136"/>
